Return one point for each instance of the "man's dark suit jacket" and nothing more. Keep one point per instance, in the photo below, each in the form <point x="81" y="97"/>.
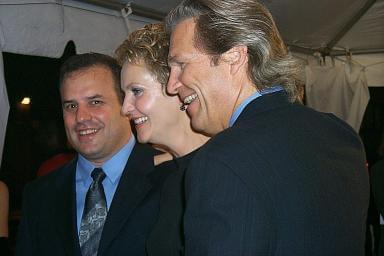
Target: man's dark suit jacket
<point x="48" y="225"/>
<point x="283" y="180"/>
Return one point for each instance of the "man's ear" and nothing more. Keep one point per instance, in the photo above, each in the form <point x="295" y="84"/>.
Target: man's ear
<point x="237" y="57"/>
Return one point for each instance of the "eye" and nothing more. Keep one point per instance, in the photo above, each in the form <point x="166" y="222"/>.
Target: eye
<point x="136" y="91"/>
<point x="95" y="102"/>
<point x="177" y="64"/>
<point x="69" y="107"/>
<point x="182" y="65"/>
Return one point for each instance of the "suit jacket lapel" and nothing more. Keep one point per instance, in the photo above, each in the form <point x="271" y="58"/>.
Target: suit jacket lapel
<point x="133" y="187"/>
<point x="64" y="209"/>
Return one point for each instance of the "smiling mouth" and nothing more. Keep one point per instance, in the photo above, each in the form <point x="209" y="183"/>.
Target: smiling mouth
<point x="140" y="120"/>
<point x="87" y="132"/>
<point x="188" y="100"/>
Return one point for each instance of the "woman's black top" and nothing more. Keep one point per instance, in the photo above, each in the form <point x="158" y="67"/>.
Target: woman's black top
<point x="166" y="237"/>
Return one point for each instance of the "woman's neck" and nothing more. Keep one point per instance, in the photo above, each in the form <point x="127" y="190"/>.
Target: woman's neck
<point x="188" y="143"/>
<point x="183" y="140"/>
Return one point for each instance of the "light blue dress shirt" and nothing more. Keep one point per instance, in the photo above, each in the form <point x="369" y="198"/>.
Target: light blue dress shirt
<point x="113" y="169"/>
<point x="241" y="107"/>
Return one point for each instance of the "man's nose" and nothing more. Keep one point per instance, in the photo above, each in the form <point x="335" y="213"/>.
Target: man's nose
<point x="82" y="114"/>
<point x="173" y="82"/>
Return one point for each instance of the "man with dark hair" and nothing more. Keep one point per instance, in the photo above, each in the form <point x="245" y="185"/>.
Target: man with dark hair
<point x="277" y="178"/>
<point x="102" y="202"/>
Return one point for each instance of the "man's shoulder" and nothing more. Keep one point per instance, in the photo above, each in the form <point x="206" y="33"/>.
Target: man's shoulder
<point x="141" y="159"/>
<point x="293" y="119"/>
<point x="223" y="147"/>
<point x="52" y="180"/>
<point x="259" y="131"/>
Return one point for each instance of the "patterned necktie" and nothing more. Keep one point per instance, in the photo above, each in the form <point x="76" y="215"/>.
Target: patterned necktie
<point x="94" y="215"/>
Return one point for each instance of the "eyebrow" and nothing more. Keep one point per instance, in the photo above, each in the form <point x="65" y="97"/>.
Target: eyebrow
<point x="66" y="102"/>
<point x="96" y="96"/>
<point x="182" y="58"/>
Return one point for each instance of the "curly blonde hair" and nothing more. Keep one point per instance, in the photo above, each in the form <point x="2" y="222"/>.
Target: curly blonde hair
<point x="149" y="44"/>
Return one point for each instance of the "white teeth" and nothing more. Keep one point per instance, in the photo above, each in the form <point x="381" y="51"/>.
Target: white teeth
<point x="88" y="131"/>
<point x="190" y="98"/>
<point x="140" y="120"/>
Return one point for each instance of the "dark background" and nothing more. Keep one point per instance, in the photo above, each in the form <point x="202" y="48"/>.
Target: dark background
<point x="34" y="132"/>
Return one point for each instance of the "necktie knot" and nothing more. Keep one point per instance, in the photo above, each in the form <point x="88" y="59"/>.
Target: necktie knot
<point x="98" y="175"/>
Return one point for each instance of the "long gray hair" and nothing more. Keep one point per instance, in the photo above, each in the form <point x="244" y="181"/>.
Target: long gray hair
<point x="223" y="24"/>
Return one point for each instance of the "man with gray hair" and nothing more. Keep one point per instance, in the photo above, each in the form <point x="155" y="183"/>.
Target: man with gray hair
<point x="277" y="178"/>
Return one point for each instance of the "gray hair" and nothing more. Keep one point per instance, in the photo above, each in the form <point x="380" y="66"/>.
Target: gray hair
<point x="223" y="24"/>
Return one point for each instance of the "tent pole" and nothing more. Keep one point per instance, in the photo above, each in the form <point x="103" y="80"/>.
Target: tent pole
<point x="300" y="49"/>
<point x="350" y="24"/>
<point x="357" y="52"/>
<point x="136" y="9"/>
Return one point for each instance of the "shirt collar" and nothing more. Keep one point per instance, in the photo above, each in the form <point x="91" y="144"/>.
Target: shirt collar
<point x="255" y="95"/>
<point x="113" y="167"/>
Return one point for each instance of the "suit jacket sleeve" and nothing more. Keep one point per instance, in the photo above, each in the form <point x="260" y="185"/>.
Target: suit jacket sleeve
<point x="219" y="209"/>
<point x="25" y="238"/>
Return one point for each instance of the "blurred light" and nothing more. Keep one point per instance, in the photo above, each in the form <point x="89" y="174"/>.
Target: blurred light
<point x="26" y="101"/>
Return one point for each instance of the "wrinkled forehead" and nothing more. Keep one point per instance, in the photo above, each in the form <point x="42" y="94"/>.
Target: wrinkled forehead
<point x="182" y="35"/>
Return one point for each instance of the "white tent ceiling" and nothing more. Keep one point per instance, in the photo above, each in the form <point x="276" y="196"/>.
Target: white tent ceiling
<point x="44" y="27"/>
<point x="328" y="26"/>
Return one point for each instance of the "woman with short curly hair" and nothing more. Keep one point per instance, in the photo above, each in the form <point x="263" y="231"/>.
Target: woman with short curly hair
<point x="159" y="120"/>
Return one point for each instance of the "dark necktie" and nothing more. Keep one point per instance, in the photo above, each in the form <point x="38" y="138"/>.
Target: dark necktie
<point x="94" y="215"/>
